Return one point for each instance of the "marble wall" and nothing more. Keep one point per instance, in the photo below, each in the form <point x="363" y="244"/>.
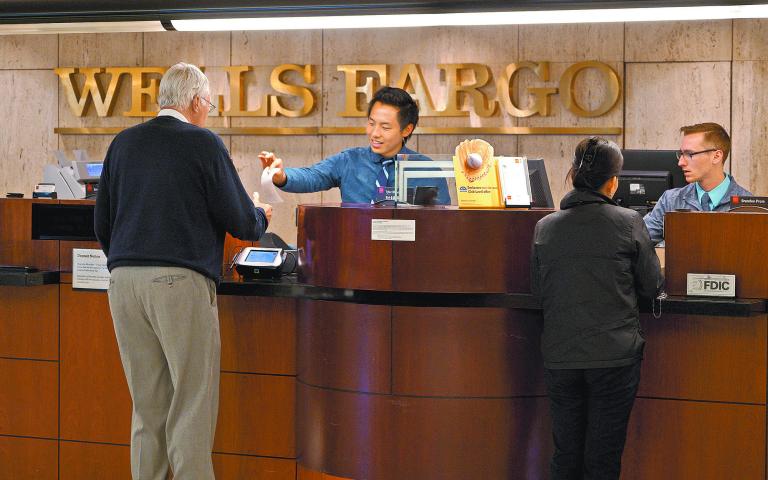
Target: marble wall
<point x="672" y="73"/>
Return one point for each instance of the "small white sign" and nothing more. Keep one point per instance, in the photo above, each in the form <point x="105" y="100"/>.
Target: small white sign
<point x="89" y="269"/>
<point x="513" y="176"/>
<point x="711" y="285"/>
<point x="395" y="230"/>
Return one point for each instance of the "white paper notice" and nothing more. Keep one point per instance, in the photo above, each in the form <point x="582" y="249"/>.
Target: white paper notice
<point x="396" y="230"/>
<point x="268" y="193"/>
<point x="89" y="269"/>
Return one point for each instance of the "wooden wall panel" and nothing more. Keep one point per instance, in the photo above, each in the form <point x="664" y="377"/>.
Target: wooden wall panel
<point x="469" y="236"/>
<point x="304" y="473"/>
<point x="258" y="334"/>
<point x="92" y="461"/>
<point x="331" y="234"/>
<point x="95" y="402"/>
<point x="466" y="352"/>
<point x="29" y="322"/>
<point x="28" y="459"/>
<point x="671" y="440"/>
<point x="412" y="438"/>
<point x="308" y="474"/>
<point x="232" y="247"/>
<point x="240" y="467"/>
<point x="698" y="357"/>
<point x="65" y="252"/>
<point x="16" y="244"/>
<point x="256" y="415"/>
<point x="29" y="401"/>
<point x="725" y="243"/>
<point x="345" y="346"/>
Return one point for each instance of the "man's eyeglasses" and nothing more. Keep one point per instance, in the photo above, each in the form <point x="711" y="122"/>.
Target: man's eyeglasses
<point x="211" y="107"/>
<point x="690" y="155"/>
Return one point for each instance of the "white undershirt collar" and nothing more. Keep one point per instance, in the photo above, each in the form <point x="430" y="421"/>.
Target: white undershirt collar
<point x="169" y="112"/>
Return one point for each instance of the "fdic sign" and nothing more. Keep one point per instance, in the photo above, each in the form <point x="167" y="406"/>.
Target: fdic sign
<point x="711" y="285"/>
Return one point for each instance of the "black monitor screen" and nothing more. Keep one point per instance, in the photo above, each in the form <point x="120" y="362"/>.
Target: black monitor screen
<point x="645" y="177"/>
<point x="655" y="161"/>
<point x="641" y="189"/>
<point x="541" y="194"/>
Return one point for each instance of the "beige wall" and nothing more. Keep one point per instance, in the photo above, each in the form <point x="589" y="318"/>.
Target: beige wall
<point x="673" y="73"/>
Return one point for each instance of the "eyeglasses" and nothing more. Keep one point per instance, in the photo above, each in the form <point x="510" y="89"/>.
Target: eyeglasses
<point x="690" y="155"/>
<point x="211" y="107"/>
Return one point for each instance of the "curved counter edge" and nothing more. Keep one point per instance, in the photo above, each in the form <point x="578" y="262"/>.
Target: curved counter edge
<point x="290" y="287"/>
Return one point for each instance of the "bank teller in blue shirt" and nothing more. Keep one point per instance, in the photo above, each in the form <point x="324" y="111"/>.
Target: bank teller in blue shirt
<point x="363" y="173"/>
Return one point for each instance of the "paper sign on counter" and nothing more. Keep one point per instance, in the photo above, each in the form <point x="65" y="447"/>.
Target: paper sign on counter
<point x="89" y="269"/>
<point x="395" y="230"/>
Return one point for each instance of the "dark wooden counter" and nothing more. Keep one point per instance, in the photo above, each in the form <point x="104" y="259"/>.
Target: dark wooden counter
<point x="64" y="405"/>
<point x="425" y="377"/>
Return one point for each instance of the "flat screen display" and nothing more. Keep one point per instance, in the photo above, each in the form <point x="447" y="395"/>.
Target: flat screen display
<point x="261" y="256"/>
<point x="94" y="169"/>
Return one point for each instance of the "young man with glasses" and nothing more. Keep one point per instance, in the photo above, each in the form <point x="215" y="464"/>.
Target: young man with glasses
<point x="702" y="155"/>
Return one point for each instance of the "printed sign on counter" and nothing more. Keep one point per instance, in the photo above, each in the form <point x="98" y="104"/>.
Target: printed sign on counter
<point x="89" y="269"/>
<point x="396" y="230"/>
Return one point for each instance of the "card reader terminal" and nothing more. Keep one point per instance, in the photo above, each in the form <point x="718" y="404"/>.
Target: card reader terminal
<point x="259" y="262"/>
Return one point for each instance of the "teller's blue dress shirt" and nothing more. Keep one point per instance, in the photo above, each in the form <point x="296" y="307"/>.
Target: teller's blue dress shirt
<point x="354" y="171"/>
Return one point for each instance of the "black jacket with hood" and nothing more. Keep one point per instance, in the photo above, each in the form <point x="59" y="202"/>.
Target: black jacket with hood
<point x="590" y="262"/>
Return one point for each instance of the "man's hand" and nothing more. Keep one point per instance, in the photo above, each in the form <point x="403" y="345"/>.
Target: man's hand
<point x="265" y="206"/>
<point x="268" y="159"/>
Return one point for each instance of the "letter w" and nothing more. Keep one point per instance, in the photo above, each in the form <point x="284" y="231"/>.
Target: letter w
<point x="103" y="103"/>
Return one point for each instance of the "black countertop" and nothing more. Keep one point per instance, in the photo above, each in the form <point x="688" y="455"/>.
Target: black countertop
<point x="289" y="286"/>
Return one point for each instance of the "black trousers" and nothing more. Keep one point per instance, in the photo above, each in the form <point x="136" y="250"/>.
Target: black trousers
<point x="590" y="411"/>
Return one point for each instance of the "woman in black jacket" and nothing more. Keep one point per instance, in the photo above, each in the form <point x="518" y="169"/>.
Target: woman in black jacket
<point x="590" y="262"/>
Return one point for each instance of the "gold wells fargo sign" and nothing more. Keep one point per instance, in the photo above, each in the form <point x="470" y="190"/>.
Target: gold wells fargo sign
<point x="466" y="88"/>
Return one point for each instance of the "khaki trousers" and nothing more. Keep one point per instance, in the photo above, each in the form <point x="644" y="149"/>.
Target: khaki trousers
<point x="167" y="327"/>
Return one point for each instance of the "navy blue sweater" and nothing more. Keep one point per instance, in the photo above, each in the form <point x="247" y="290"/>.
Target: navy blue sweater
<point x="167" y="195"/>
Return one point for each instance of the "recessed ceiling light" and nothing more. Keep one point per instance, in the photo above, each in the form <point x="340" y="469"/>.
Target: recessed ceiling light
<point x="476" y="18"/>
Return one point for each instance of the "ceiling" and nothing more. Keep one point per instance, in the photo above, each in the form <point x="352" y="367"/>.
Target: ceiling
<point x="44" y="11"/>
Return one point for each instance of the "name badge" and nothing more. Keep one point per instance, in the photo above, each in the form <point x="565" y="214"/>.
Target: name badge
<point x="711" y="285"/>
<point x="384" y="193"/>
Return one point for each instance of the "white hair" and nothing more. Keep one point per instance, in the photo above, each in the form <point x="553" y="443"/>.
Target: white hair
<point x="180" y="84"/>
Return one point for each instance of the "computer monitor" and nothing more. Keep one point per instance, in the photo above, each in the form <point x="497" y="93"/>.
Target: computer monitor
<point x="646" y="175"/>
<point x="541" y="194"/>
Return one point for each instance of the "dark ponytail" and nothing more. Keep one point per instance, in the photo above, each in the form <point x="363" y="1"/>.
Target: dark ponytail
<point x="594" y="162"/>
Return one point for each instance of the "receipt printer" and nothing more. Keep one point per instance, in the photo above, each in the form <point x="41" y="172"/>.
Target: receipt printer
<point x="74" y="179"/>
<point x="260" y="263"/>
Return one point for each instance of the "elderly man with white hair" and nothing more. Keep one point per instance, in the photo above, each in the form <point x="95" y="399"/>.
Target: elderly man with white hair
<point x="168" y="194"/>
